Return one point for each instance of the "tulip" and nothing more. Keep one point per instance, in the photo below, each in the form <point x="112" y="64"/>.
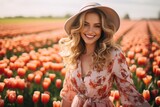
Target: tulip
<point x="56" y="104"/>
<point x="36" y="96"/>
<point x="142" y="60"/>
<point x="140" y="72"/>
<point x="45" y="98"/>
<point x="52" y="76"/>
<point x="116" y="95"/>
<point x="1" y="102"/>
<point x="21" y="72"/>
<point x="63" y="71"/>
<point x="147" y="79"/>
<point x="157" y="100"/>
<point x="133" y="68"/>
<point x="158" y="83"/>
<point x="146" y="95"/>
<point x="12" y="96"/>
<point x="37" y="79"/>
<point x="58" y="83"/>
<point x="2" y="84"/>
<point x="20" y="99"/>
<point x="154" y="92"/>
<point x="30" y="77"/>
<point x="130" y="54"/>
<point x="21" y="84"/>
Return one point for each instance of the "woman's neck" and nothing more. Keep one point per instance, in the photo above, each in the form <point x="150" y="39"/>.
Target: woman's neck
<point x="89" y="50"/>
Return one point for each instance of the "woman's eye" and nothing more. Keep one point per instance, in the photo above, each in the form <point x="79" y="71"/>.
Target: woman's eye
<point x="98" y="26"/>
<point x="85" y="24"/>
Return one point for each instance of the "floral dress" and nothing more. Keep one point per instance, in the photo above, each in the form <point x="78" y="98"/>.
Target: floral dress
<point x="94" y="89"/>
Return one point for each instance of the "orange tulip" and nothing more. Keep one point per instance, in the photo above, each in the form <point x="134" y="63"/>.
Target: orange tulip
<point x="146" y="95"/>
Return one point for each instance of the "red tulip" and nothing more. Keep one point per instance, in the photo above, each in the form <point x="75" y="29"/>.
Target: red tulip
<point x="21" y="72"/>
<point x="57" y="66"/>
<point x="46" y="83"/>
<point x="46" y="65"/>
<point x="137" y="49"/>
<point x="37" y="79"/>
<point x="140" y="72"/>
<point x="8" y="72"/>
<point x="45" y="98"/>
<point x="52" y="76"/>
<point x="142" y="60"/>
<point x="13" y="83"/>
<point x="30" y="77"/>
<point x="116" y="95"/>
<point x="31" y="66"/>
<point x="2" y="84"/>
<point x="154" y="92"/>
<point x="21" y="84"/>
<point x="2" y="67"/>
<point x="133" y="68"/>
<point x="56" y="104"/>
<point x="158" y="83"/>
<point x="43" y="70"/>
<point x="1" y="103"/>
<point x="12" y="96"/>
<point x="57" y="58"/>
<point x="63" y="71"/>
<point x="20" y="99"/>
<point x="130" y="54"/>
<point x="145" y="52"/>
<point x="58" y="83"/>
<point x="151" y="55"/>
<point x="36" y="96"/>
<point x="13" y="58"/>
<point x="157" y="100"/>
<point x="158" y="60"/>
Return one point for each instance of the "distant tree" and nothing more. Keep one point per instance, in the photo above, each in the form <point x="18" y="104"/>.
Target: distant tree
<point x="67" y="15"/>
<point x="126" y="16"/>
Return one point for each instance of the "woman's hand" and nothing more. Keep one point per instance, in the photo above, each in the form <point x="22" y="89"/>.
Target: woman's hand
<point x="65" y="103"/>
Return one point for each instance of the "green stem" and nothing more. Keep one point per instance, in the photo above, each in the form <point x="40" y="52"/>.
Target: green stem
<point x="35" y="105"/>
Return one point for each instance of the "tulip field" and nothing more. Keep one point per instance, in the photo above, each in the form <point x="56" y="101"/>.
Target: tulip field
<point x="32" y="72"/>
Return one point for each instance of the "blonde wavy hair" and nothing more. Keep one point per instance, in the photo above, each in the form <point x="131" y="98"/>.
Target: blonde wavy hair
<point x="73" y="46"/>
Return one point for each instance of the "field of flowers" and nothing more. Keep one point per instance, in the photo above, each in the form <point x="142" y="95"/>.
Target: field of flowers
<point x="32" y="72"/>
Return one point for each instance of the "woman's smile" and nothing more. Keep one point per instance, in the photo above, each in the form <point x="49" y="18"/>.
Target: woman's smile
<point x="89" y="36"/>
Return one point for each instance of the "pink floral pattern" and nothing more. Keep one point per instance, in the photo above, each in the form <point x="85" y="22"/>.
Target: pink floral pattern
<point x="94" y="89"/>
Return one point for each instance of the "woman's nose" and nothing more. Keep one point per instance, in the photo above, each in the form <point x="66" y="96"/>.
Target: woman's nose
<point x="90" y="30"/>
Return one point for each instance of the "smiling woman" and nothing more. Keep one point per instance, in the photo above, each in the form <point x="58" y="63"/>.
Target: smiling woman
<point x="95" y="62"/>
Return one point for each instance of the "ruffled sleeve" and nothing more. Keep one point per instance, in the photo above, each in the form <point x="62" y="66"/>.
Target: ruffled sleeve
<point x="129" y="96"/>
<point x="67" y="93"/>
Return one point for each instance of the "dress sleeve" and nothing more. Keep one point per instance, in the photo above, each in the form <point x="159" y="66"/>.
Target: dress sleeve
<point x="67" y="93"/>
<point x="129" y="96"/>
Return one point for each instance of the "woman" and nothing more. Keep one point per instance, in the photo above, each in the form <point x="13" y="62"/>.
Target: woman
<point x="94" y="62"/>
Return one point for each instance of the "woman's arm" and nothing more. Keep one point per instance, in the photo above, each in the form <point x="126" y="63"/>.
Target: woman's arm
<point x="145" y="104"/>
<point x="67" y="93"/>
<point x="128" y="94"/>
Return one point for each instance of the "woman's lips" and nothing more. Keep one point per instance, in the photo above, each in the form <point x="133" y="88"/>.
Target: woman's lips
<point x="90" y="36"/>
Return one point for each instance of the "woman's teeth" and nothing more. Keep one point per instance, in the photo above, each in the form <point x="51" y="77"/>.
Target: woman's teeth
<point x="90" y="36"/>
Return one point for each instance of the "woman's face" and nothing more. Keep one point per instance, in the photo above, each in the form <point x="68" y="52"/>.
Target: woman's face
<point x="91" y="31"/>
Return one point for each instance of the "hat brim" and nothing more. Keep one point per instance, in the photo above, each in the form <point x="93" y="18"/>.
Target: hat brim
<point x="109" y="12"/>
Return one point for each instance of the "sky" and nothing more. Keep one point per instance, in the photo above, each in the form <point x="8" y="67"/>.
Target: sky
<point x="136" y="9"/>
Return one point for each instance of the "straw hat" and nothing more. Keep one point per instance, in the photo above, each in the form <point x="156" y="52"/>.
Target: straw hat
<point x="109" y="12"/>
